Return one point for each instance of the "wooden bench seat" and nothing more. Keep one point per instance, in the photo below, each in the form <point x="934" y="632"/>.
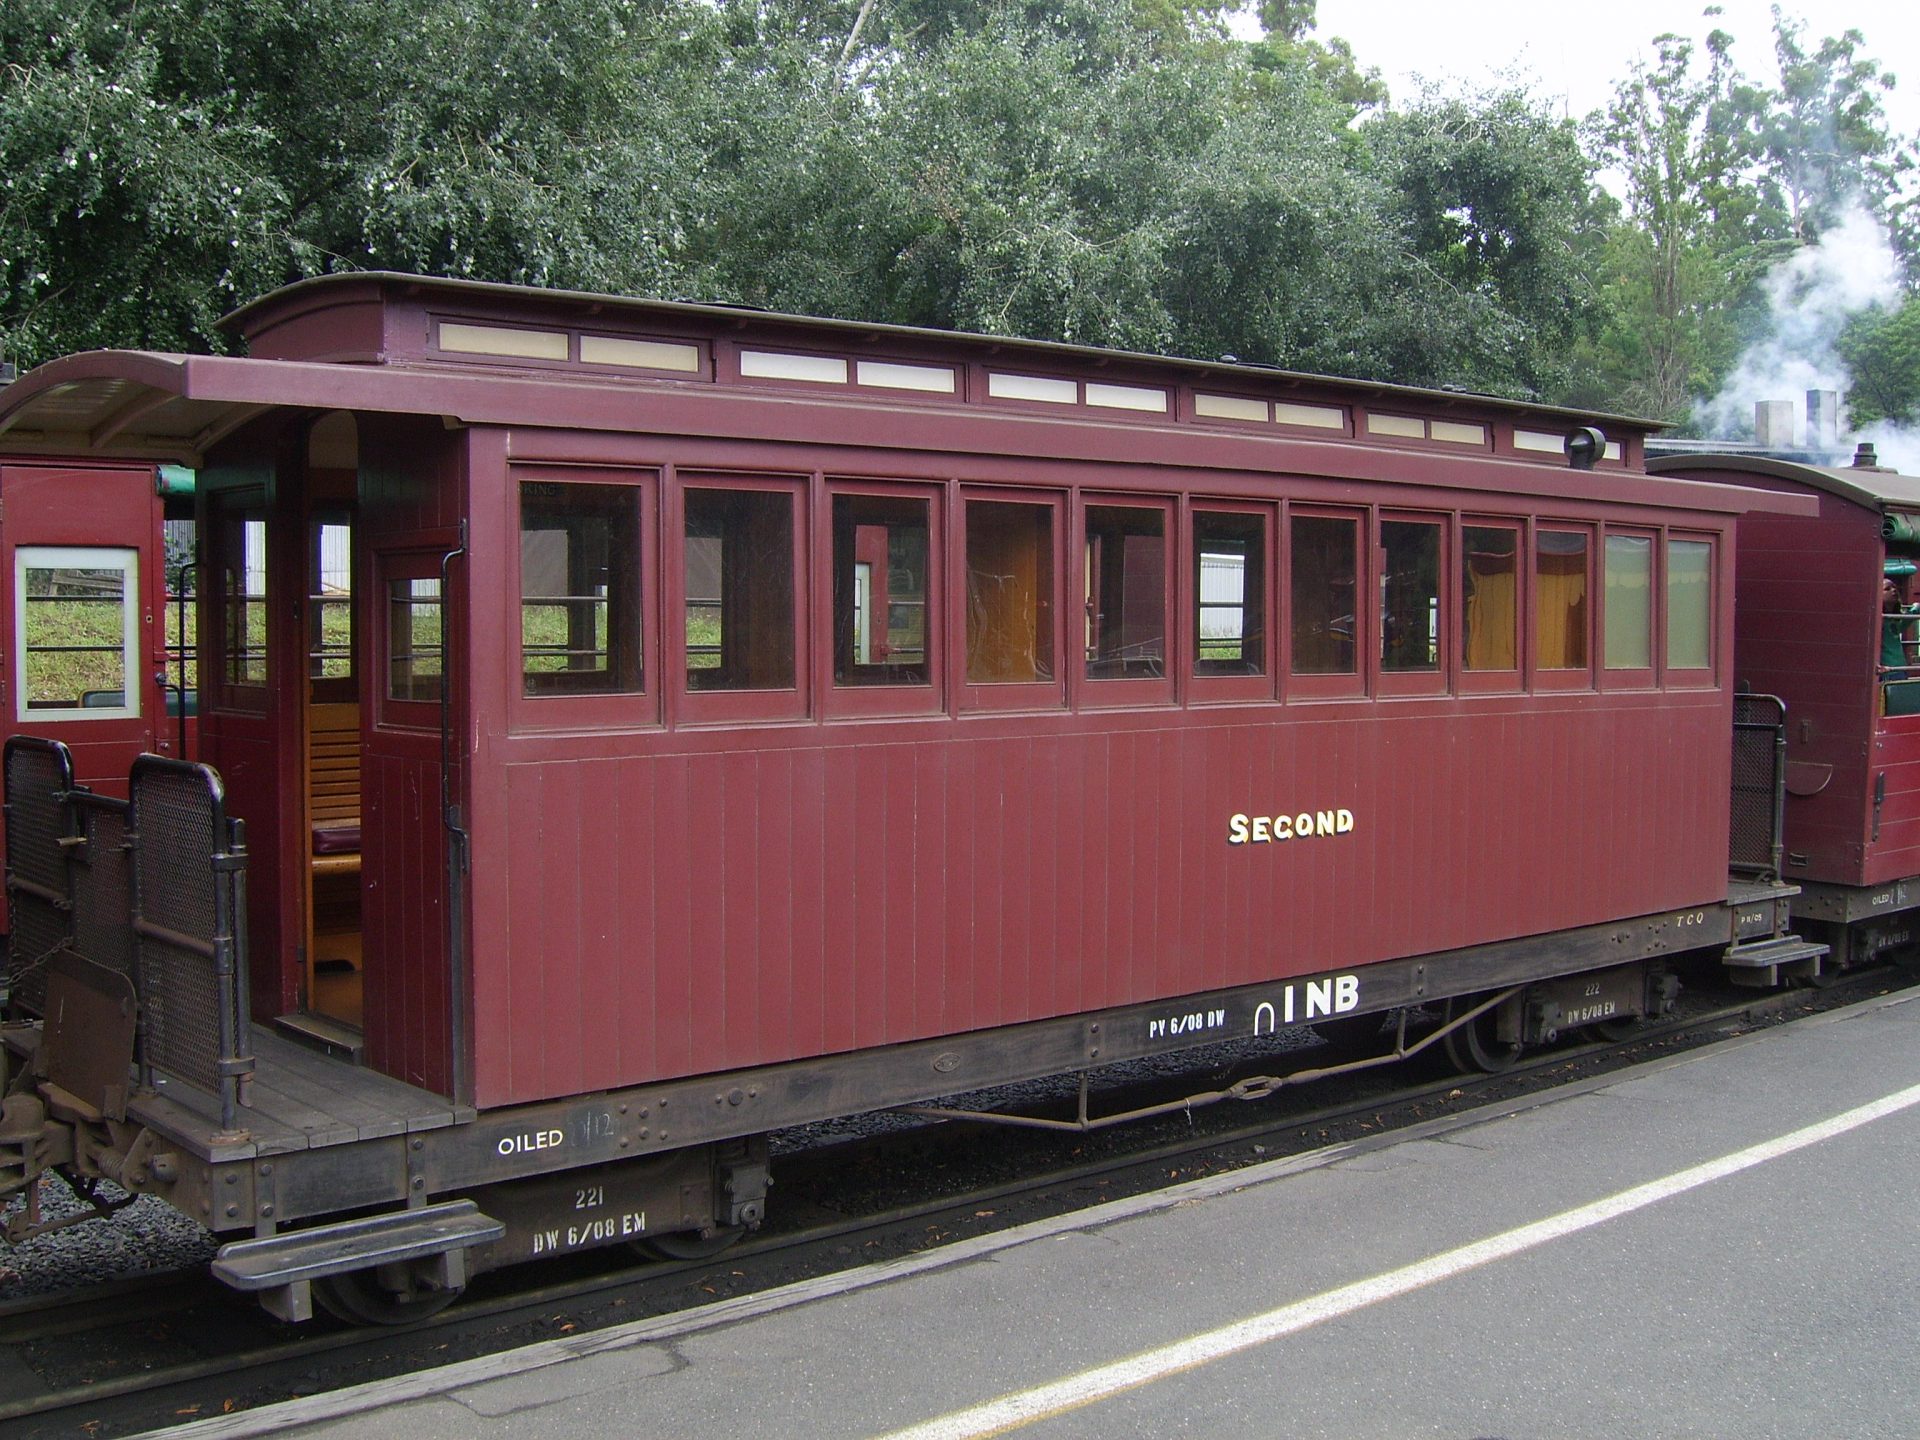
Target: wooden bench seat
<point x="333" y="789"/>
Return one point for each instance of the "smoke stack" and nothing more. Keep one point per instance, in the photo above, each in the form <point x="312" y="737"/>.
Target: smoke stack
<point x="1864" y="458"/>
<point x="1773" y="424"/>
<point x="1823" y="419"/>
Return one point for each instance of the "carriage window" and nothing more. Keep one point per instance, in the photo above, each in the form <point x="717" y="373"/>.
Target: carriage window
<point x="330" y="601"/>
<point x="1629" y="613"/>
<point x="739" y="577"/>
<point x="1322" y="560"/>
<point x="1410" y="595"/>
<point x="1230" y="593"/>
<point x="415" y="647"/>
<point x="1010" y="589"/>
<point x="1560" y="603"/>
<point x="240" y="552"/>
<point x="1490" y="598"/>
<point x="1689" y="604"/>
<point x="580" y="589"/>
<point x="880" y="556"/>
<point x="1126" y="592"/>
<point x="78" y="629"/>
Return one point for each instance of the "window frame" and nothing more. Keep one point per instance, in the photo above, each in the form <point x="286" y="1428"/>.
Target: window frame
<point x="623" y="709"/>
<point x="390" y="711"/>
<point x="1635" y="677"/>
<point x="857" y="701"/>
<point x="1395" y="684"/>
<point x="1093" y="692"/>
<point x="1342" y="685"/>
<point x="133" y="682"/>
<point x="229" y="511"/>
<point x="1690" y="677"/>
<point x="1007" y="695"/>
<point x="1205" y="689"/>
<point x="1541" y="678"/>
<point x="730" y="707"/>
<point x="1489" y="681"/>
<point x="337" y="689"/>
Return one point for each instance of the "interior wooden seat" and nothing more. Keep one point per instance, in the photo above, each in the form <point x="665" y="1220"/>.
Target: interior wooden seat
<point x="333" y="860"/>
<point x="333" y="789"/>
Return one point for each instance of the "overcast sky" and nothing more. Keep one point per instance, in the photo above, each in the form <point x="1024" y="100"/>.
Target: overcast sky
<point x="1576" y="53"/>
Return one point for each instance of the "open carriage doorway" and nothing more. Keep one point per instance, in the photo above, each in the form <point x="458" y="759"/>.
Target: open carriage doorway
<point x="330" y="730"/>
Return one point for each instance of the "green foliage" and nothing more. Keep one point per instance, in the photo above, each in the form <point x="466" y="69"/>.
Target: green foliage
<point x="1824" y="132"/>
<point x="1724" y="180"/>
<point x="1491" y="196"/>
<point x="1112" y="172"/>
<point x="129" y="213"/>
<point x="1881" y="349"/>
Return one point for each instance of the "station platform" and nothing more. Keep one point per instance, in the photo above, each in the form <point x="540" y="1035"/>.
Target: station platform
<point x="1724" y="1243"/>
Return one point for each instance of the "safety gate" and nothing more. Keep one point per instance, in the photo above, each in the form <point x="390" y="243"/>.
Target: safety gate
<point x="129" y="926"/>
<point x="1759" y="786"/>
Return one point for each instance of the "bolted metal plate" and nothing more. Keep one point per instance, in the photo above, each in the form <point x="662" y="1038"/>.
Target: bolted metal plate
<point x="600" y="1205"/>
<point x="88" y="1049"/>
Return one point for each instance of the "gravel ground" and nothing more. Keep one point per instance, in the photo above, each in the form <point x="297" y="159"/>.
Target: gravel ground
<point x="148" y="1235"/>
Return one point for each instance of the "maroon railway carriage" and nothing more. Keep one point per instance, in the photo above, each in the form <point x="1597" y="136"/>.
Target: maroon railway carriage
<point x="737" y="720"/>
<point x="83" y="639"/>
<point x="1811" y="629"/>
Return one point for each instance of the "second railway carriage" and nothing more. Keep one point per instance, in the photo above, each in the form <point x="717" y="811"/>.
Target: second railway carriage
<point x="1815" y="627"/>
<point x="736" y="720"/>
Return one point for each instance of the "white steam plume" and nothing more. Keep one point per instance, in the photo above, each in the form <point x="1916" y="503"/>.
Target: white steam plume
<point x="1811" y="295"/>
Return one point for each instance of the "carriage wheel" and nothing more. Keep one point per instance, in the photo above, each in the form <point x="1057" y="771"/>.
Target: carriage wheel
<point x="362" y="1297"/>
<point x="1477" y="1044"/>
<point x="689" y="1244"/>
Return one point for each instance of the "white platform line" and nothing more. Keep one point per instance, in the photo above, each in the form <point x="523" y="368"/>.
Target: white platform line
<point x="1011" y="1412"/>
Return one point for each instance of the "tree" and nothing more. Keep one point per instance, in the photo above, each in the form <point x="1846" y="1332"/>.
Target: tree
<point x="1824" y="133"/>
<point x="1881" y="350"/>
<point x="130" y="214"/>
<point x="1491" y="198"/>
<point x="1699" y="233"/>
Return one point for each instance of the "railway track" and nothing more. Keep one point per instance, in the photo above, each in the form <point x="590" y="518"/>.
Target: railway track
<point x="161" y="1349"/>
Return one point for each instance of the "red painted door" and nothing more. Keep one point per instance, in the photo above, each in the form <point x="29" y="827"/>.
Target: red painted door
<point x="82" y="626"/>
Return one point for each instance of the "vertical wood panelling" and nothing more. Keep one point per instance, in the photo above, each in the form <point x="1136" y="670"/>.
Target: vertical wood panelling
<point x="775" y="862"/>
<point x="603" y="901"/>
<point x="1097" y="942"/>
<point x="840" y="958"/>
<point x="746" y="931"/>
<point x="928" y="795"/>
<point x="634" y="851"/>
<point x="867" y="839"/>
<point x="404" y="934"/>
<point x="564" y="990"/>
<point x="813" y="880"/>
<point x="672" y="955"/>
<point x="962" y="944"/>
<point x="749" y="907"/>
<point x="988" y="866"/>
<point x="521" y="1040"/>
<point x="707" y="912"/>
<point x="902" y="861"/>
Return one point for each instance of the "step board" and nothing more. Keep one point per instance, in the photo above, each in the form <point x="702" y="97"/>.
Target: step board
<point x="281" y="1268"/>
<point x="1778" y="957"/>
